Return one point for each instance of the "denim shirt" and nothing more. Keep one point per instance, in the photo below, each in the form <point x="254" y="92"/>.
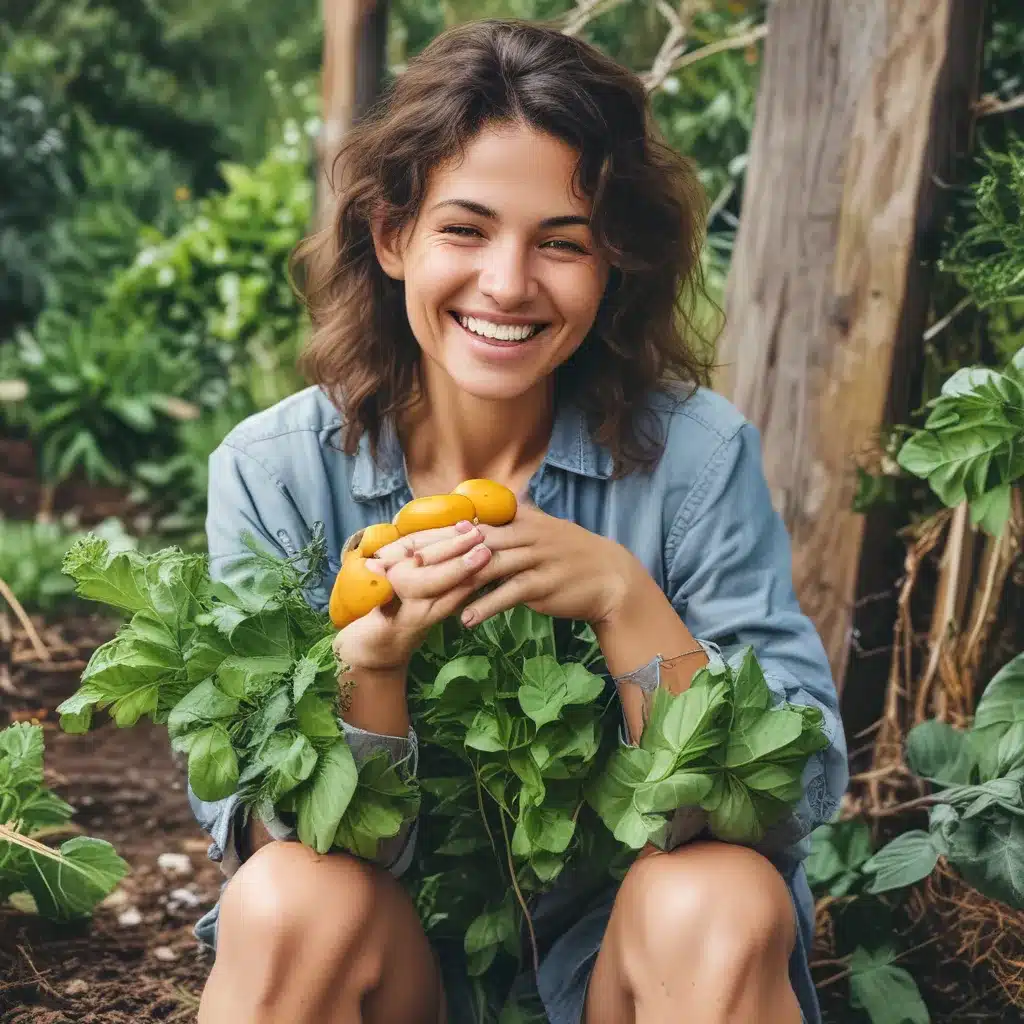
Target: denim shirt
<point x="701" y="522"/>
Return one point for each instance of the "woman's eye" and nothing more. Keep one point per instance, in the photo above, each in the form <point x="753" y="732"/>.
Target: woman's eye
<point x="566" y="246"/>
<point x="461" y="230"/>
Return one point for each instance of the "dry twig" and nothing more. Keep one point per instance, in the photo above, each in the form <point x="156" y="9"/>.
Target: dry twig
<point x="8" y="595"/>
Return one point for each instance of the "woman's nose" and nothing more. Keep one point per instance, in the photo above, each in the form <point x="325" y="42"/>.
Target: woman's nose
<point x="507" y="276"/>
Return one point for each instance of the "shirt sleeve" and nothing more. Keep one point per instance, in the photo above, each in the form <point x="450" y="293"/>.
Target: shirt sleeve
<point x="730" y="579"/>
<point x="243" y="495"/>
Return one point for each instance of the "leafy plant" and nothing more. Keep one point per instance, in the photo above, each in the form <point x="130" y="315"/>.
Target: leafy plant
<point x="976" y="820"/>
<point x="517" y="745"/>
<point x="100" y="395"/>
<point x="220" y="284"/>
<point x="970" y="448"/>
<point x="63" y="883"/>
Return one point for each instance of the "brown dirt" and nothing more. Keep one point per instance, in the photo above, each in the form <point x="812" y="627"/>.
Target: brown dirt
<point x="125" y="788"/>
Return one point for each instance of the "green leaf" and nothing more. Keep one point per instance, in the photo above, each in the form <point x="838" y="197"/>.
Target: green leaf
<point x="548" y="687"/>
<point x="683" y="789"/>
<point x="549" y="828"/>
<point x="290" y="758"/>
<point x="989" y="853"/>
<point x="756" y="735"/>
<point x="470" y="666"/>
<point x="323" y="799"/>
<point x="68" y="883"/>
<point x="909" y="858"/>
<point x="887" y="993"/>
<point x="749" y="686"/>
<point x="1000" y="708"/>
<point x="838" y="853"/>
<point x="691" y="723"/>
<point x="212" y="762"/>
<point x="732" y="811"/>
<point x="937" y="751"/>
<point x="316" y="716"/>
<point x="245" y="676"/>
<point x="202" y="705"/>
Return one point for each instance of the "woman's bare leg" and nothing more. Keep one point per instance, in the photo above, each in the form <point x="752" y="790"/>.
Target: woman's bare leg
<point x="312" y="939"/>
<point x="702" y="934"/>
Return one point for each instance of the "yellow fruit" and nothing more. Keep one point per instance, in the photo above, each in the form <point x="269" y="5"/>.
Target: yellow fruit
<point x="433" y="512"/>
<point x="375" y="537"/>
<point x="357" y="591"/>
<point x="495" y="504"/>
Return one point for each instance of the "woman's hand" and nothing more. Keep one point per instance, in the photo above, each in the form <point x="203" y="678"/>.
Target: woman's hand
<point x="555" y="567"/>
<point x="433" y="572"/>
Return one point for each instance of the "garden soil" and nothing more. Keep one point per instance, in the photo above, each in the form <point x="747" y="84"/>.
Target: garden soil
<point x="137" y="960"/>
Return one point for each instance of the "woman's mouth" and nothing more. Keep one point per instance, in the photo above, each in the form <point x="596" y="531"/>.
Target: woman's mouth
<point x="498" y="334"/>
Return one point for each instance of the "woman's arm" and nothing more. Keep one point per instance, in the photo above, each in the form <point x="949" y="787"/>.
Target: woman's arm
<point x="644" y="627"/>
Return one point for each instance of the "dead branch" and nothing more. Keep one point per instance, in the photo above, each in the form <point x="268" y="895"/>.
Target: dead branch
<point x="8" y="595"/>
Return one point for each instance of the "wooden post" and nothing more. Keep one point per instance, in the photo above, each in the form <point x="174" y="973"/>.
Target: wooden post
<point x="864" y="106"/>
<point x="354" y="62"/>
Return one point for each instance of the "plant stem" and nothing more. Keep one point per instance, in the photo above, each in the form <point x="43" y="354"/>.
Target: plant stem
<point x="483" y="813"/>
<point x="8" y="595"/>
<point x="519" y="896"/>
<point x="910" y="805"/>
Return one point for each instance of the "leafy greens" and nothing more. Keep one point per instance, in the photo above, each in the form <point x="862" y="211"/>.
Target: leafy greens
<point x="63" y="883"/>
<point x="522" y="775"/>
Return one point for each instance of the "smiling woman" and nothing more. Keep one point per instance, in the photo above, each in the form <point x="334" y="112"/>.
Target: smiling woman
<point x="503" y="297"/>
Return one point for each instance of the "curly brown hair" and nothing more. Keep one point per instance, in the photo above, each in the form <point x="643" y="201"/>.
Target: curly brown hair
<point x="647" y="220"/>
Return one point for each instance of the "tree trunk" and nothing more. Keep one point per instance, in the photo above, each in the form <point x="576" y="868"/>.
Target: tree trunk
<point x="354" y="62"/>
<point x="864" y="107"/>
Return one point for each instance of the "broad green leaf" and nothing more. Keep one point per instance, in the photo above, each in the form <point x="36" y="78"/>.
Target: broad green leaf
<point x="905" y="861"/>
<point x="1000" y="708"/>
<point x="683" y="789"/>
<point x="937" y="751"/>
<point x="838" y="852"/>
<point x="749" y="687"/>
<point x="316" y="716"/>
<point x="611" y="792"/>
<point x="691" y="723"/>
<point x="887" y="993"/>
<point x="21" y="754"/>
<point x="470" y="666"/>
<point x="290" y="760"/>
<point x="114" y="578"/>
<point x="549" y="828"/>
<point x="486" y="733"/>
<point x="323" y="799"/>
<point x="244" y="677"/>
<point x="203" y="705"/>
<point x="304" y="677"/>
<point x="756" y="735"/>
<point x="522" y="763"/>
<point x="69" y="882"/>
<point x="732" y="812"/>
<point x="212" y="762"/>
<point x="989" y="853"/>
<point x="548" y="687"/>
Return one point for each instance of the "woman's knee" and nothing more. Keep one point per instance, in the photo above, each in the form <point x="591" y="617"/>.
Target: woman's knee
<point x="286" y="897"/>
<point x="719" y="904"/>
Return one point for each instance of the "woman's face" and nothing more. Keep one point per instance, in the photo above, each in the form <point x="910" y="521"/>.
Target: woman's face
<point x="502" y="281"/>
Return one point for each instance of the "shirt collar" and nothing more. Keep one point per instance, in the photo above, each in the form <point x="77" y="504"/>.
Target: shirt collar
<point x="571" y="448"/>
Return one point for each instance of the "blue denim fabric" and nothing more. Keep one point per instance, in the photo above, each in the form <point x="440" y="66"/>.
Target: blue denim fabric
<point x="701" y="522"/>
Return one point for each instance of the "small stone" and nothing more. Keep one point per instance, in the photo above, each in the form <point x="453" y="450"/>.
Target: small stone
<point x="165" y="953"/>
<point x="76" y="987"/>
<point x="118" y="898"/>
<point x="184" y="897"/>
<point x="129" y="918"/>
<point x="175" y="863"/>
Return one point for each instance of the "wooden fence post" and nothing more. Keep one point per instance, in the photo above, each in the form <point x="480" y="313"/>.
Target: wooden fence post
<point x="863" y="108"/>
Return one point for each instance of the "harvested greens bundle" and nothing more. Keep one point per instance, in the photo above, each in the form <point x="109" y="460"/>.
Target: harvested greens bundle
<point x="521" y="772"/>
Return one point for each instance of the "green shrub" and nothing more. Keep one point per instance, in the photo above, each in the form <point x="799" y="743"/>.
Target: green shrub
<point x="100" y="395"/>
<point x="220" y="284"/>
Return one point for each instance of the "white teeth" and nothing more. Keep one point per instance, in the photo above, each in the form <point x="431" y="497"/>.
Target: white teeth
<point x="500" y="332"/>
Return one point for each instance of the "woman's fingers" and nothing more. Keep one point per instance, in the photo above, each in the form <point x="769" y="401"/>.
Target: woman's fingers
<point x="391" y="554"/>
<point x="428" y="582"/>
